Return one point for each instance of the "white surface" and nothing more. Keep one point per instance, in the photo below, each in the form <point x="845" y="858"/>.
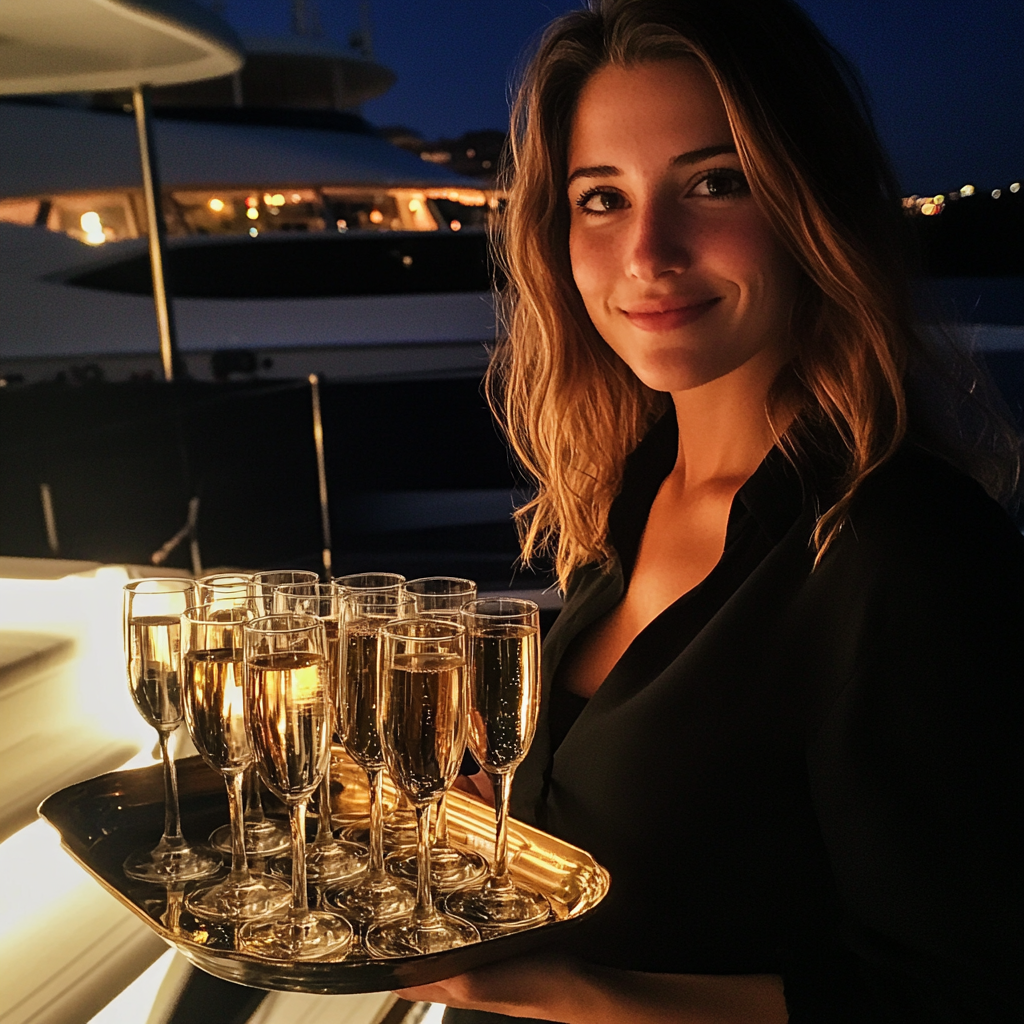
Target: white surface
<point x="84" y="45"/>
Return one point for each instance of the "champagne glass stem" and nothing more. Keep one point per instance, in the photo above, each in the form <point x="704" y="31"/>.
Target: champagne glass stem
<point x="502" y="782"/>
<point x="324" y="831"/>
<point x="375" y="777"/>
<point x="300" y="902"/>
<point x="424" y="899"/>
<point x="253" y="801"/>
<point x="239" y="863"/>
<point x="172" y="813"/>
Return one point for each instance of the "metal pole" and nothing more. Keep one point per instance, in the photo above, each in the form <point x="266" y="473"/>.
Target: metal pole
<point x="155" y="223"/>
<point x="321" y="469"/>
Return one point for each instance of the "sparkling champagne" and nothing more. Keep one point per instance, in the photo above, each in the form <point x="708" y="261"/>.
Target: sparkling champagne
<point x="215" y="709"/>
<point x="357" y="695"/>
<point x="504" y="693"/>
<point x="287" y="720"/>
<point x="154" y="643"/>
<point x="421" y="722"/>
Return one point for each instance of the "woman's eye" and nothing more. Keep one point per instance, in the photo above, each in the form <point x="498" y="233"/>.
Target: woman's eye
<point x="600" y="201"/>
<point x="723" y="183"/>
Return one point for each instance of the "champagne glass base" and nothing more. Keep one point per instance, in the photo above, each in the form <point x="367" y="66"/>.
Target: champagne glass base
<point x="337" y="861"/>
<point x="495" y="908"/>
<point x="262" y="839"/>
<point x="373" y="900"/>
<point x="170" y="862"/>
<point x="314" y="935"/>
<point x="250" y="900"/>
<point x="435" y="934"/>
<point x="449" y="868"/>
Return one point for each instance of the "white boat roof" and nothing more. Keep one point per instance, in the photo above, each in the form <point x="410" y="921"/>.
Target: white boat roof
<point x="53" y="149"/>
<point x="93" y="45"/>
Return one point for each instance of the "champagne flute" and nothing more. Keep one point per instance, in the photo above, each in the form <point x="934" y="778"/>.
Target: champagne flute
<point x="328" y="859"/>
<point x="369" y="601"/>
<point x="287" y="717"/>
<point x="420" y="715"/>
<point x="441" y="597"/>
<point x="212" y="660"/>
<point x="503" y="646"/>
<point x="152" y="638"/>
<point x="263" y="837"/>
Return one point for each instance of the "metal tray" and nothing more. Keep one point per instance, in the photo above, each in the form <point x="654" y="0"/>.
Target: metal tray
<point x="102" y="820"/>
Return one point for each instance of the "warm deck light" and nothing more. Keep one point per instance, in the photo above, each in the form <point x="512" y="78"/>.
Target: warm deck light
<point x="253" y="232"/>
<point x="93" y="228"/>
<point x="296" y="197"/>
<point x="456" y="225"/>
<point x="275" y="199"/>
<point x="967" y="190"/>
<point x="415" y="206"/>
<point x="216" y="205"/>
<point x="343" y="225"/>
<point x="252" y="202"/>
<point x="376" y="217"/>
<point x="252" y="213"/>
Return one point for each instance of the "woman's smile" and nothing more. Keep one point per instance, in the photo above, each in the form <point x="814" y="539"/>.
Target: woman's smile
<point x="668" y="315"/>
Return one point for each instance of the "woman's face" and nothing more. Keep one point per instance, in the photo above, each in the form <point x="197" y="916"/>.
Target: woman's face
<point x="678" y="268"/>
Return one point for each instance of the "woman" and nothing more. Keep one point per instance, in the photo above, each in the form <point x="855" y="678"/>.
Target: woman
<point x="780" y="701"/>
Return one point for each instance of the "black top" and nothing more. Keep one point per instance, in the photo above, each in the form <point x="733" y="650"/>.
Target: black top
<point x="808" y="773"/>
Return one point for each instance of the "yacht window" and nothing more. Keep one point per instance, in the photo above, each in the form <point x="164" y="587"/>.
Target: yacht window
<point x="94" y="218"/>
<point x="19" y="211"/>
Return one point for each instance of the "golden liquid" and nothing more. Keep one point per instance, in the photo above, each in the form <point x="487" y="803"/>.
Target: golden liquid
<point x="357" y="695"/>
<point x="504" y="694"/>
<point x="287" y="719"/>
<point x="215" y="707"/>
<point x="153" y="645"/>
<point x="422" y="724"/>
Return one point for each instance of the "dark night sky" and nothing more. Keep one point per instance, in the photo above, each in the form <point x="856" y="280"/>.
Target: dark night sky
<point x="946" y="78"/>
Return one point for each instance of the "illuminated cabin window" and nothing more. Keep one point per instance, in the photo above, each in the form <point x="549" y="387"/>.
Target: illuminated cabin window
<point x="96" y="218"/>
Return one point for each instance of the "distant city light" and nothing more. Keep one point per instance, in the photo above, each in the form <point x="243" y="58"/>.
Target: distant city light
<point x="996" y="193"/>
<point x="273" y="200"/>
<point x="296" y="197"/>
<point x="407" y="261"/>
<point x="1015" y="187"/>
<point x="930" y="209"/>
<point x="216" y="205"/>
<point x="252" y="201"/>
<point x="93" y="228"/>
<point x="376" y="217"/>
<point x="253" y="231"/>
<point x="252" y="213"/>
<point x="939" y="200"/>
<point x="456" y="225"/>
<point x="343" y="225"/>
<point x="967" y="190"/>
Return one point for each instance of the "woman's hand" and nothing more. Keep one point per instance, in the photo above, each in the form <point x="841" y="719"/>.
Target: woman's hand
<point x="562" y="989"/>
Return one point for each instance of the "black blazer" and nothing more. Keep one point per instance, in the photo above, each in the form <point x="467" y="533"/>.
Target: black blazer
<point x="808" y="772"/>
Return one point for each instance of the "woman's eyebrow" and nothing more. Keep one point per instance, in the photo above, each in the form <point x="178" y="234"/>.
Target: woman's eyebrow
<point x="695" y="156"/>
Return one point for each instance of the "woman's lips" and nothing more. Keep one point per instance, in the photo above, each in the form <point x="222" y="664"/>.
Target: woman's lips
<point x="669" y="319"/>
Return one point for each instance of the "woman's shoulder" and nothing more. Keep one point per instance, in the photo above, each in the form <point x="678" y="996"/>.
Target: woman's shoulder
<point x="917" y="505"/>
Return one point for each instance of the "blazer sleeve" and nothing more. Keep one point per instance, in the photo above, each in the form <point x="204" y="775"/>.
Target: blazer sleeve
<point x="915" y="763"/>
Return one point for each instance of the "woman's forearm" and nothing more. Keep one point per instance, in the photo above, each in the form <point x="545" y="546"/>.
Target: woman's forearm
<point x="570" y="992"/>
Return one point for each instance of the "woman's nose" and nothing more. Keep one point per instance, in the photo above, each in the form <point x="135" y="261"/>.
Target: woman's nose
<point x="657" y="245"/>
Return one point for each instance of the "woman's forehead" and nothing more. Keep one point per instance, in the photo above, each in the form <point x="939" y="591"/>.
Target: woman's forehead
<point x="654" y="110"/>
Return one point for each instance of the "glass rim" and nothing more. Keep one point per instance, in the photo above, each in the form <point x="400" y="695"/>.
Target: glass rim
<point x="185" y="582"/>
<point x="307" y="622"/>
<point x="214" y="579"/>
<point x="397" y="579"/>
<point x="286" y="588"/>
<point x="244" y="617"/>
<point x="255" y="577"/>
<point x="453" y="631"/>
<point x="408" y="584"/>
<point x="520" y="608"/>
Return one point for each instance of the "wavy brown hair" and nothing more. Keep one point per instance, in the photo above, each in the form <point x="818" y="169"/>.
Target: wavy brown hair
<point x="572" y="409"/>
